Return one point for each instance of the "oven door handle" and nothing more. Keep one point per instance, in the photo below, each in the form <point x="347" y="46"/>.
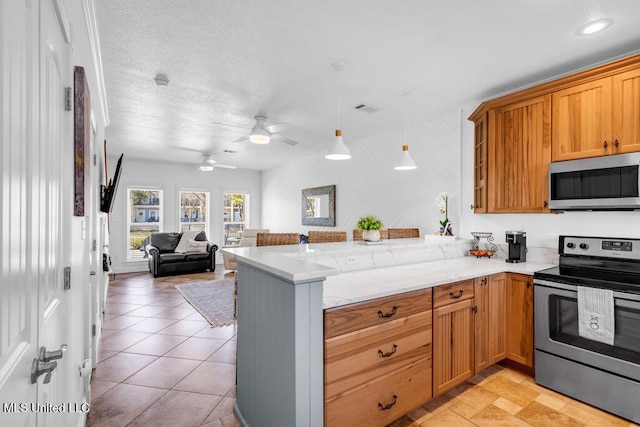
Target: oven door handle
<point x="620" y="296"/>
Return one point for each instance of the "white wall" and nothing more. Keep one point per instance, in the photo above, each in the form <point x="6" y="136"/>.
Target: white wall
<point x="542" y="229"/>
<point x="368" y="184"/>
<point x="173" y="178"/>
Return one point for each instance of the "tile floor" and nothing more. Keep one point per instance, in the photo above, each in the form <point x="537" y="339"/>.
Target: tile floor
<point x="161" y="364"/>
<point x="159" y="361"/>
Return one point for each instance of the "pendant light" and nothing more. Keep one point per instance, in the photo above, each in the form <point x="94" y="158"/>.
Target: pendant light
<point x="338" y="150"/>
<point x="406" y="162"/>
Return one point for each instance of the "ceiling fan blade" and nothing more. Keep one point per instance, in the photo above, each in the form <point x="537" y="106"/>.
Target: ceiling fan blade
<point x="225" y="166"/>
<point x="276" y="128"/>
<point x="244" y="138"/>
<point x="230" y="125"/>
<point x="284" y="139"/>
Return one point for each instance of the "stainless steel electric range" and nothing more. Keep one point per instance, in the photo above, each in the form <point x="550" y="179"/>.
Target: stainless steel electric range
<point x="603" y="375"/>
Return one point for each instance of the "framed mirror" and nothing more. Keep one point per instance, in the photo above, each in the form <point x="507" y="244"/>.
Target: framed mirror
<point x="319" y="206"/>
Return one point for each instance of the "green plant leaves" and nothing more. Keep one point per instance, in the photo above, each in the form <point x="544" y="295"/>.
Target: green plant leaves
<point x="369" y="222"/>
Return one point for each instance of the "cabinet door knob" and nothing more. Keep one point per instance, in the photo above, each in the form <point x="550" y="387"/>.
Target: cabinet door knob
<point x="475" y="309"/>
<point x="528" y="284"/>
<point x="616" y="143"/>
<point x="545" y="204"/>
<point x="605" y="145"/>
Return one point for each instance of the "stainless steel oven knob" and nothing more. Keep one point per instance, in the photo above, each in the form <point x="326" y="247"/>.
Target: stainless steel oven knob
<point x="571" y="245"/>
<point x="584" y="246"/>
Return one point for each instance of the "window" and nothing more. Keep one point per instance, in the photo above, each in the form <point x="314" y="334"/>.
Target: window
<point x="145" y="217"/>
<point x="194" y="211"/>
<point x="235" y="212"/>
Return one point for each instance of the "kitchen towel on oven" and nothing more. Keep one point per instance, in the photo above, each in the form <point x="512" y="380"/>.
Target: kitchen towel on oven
<point x="596" y="318"/>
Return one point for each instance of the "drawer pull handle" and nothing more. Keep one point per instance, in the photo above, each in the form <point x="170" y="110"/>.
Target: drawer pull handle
<point x="389" y="354"/>
<point x="393" y="312"/>
<point x="389" y="405"/>
<point x="453" y="296"/>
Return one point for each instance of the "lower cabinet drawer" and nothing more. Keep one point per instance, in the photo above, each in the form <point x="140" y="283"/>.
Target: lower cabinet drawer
<point x="361" y="356"/>
<point x="453" y="292"/>
<point x="383" y="400"/>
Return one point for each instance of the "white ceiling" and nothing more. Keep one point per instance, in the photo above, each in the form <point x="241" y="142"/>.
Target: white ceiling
<point x="229" y="60"/>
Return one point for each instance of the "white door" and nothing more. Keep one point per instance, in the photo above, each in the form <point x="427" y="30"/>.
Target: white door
<point x="63" y="258"/>
<point x="19" y="182"/>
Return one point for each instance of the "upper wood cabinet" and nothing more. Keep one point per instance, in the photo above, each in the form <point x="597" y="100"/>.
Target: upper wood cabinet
<point x="626" y="112"/>
<point x="519" y="154"/>
<point x="480" y="165"/>
<point x="582" y="121"/>
<point x="592" y="113"/>
<point x="597" y="118"/>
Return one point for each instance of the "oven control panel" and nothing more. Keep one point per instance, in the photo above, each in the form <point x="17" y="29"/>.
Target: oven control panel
<point x="613" y="247"/>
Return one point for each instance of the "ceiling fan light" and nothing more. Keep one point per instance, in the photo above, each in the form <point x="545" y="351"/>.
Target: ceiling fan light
<point x="338" y="150"/>
<point x="406" y="162"/>
<point x="206" y="167"/>
<point x="259" y="135"/>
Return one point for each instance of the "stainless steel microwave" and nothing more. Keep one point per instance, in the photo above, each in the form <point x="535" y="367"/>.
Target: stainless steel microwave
<point x="598" y="183"/>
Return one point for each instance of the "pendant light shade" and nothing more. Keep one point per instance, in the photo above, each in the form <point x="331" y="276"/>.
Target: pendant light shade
<point x="338" y="150"/>
<point x="406" y="162"/>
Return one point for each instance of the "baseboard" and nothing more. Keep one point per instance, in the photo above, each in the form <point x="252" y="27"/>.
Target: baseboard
<point x="508" y="363"/>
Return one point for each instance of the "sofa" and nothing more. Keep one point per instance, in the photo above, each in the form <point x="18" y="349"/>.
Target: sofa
<point x="176" y="253"/>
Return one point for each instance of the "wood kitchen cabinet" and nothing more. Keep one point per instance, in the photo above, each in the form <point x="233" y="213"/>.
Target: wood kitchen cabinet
<point x="490" y="320"/>
<point x="519" y="154"/>
<point x="597" y="118"/>
<point x="481" y="133"/>
<point x="377" y="359"/>
<point x="453" y="338"/>
<point x="592" y="113"/>
<point x="582" y="121"/>
<point x="520" y="319"/>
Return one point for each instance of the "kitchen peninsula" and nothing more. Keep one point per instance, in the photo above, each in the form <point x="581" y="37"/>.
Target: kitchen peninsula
<point x="297" y="302"/>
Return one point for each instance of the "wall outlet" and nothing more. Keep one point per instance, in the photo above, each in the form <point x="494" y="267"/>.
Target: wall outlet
<point x="352" y="260"/>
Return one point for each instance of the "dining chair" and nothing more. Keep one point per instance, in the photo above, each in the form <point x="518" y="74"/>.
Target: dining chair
<point x="403" y="233"/>
<point x="327" y="236"/>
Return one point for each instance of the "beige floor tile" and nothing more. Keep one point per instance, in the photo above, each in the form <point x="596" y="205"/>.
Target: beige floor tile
<point x="121" y="366"/>
<point x="165" y="372"/>
<point x="225" y="354"/>
<point x="462" y="409"/>
<point x="121" y="322"/>
<point x="513" y="375"/>
<point x="224" y="408"/>
<point x="121" y="340"/>
<point x="151" y="325"/>
<point x="147" y="310"/>
<point x="513" y="391"/>
<point x="175" y="313"/>
<point x="105" y="354"/>
<point x="178" y="408"/>
<point x="492" y="416"/>
<point x="539" y="415"/>
<point x="156" y="345"/>
<point x="121" y="405"/>
<point x="550" y="401"/>
<point x="196" y="348"/>
<point x="119" y="308"/>
<point x="592" y="416"/>
<point x="507" y="405"/>
<point x="99" y="387"/>
<point x="185" y="328"/>
<point x="478" y="397"/>
<point x="446" y="418"/>
<point x="210" y="378"/>
<point x="220" y="332"/>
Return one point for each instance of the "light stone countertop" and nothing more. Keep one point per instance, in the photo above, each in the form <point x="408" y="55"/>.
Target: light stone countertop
<point x="354" y="272"/>
<point x="348" y="288"/>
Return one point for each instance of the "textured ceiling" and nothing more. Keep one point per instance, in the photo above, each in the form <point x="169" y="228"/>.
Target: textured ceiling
<point x="229" y="60"/>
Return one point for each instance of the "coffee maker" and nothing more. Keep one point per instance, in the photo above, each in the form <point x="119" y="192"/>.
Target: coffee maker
<point x="517" y="241"/>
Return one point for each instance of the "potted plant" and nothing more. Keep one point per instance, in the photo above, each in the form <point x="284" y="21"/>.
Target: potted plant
<point x="370" y="226"/>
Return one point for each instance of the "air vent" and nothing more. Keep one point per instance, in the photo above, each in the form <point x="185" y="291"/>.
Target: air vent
<point x="367" y="108"/>
<point x="230" y="151"/>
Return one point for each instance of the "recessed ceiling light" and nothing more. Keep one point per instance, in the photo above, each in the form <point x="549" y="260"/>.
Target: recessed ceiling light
<point x="594" y="27"/>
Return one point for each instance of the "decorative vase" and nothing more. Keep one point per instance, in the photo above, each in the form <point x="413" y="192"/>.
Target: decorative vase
<point x="371" y="235"/>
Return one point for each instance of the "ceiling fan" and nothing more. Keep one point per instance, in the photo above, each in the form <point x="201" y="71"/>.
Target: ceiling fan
<point x="207" y="164"/>
<point x="263" y="134"/>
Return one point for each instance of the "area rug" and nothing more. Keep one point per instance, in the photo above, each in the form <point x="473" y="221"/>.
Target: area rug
<point x="212" y="299"/>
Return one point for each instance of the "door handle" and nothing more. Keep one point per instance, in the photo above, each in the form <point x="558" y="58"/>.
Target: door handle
<point x="38" y="368"/>
<point x="48" y="356"/>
